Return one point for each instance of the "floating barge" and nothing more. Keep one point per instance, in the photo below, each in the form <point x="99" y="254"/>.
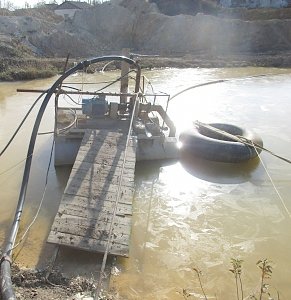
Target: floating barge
<point x="101" y="135"/>
<point x="103" y="139"/>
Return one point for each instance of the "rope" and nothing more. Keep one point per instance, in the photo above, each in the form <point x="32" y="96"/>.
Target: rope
<point x="241" y="139"/>
<point x="276" y="155"/>
<point x="255" y="146"/>
<point x="98" y="289"/>
<point x="274" y="186"/>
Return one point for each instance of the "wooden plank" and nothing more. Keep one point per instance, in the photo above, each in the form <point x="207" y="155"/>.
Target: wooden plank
<point x="82" y="232"/>
<point x="102" y="222"/>
<point x="109" y="145"/>
<point x="104" y="164"/>
<point x="98" y="181"/>
<point x="85" y="203"/>
<point x="94" y="157"/>
<point x="97" y="240"/>
<point x="89" y="212"/>
<point x="87" y="244"/>
<point x="100" y="135"/>
<point x="104" y="159"/>
<point x="81" y="227"/>
<point x="99" y="168"/>
<point x="93" y="201"/>
<point x="88" y="190"/>
<point x="73" y="231"/>
<point x="108" y="141"/>
<point x="94" y="173"/>
<point x="86" y="211"/>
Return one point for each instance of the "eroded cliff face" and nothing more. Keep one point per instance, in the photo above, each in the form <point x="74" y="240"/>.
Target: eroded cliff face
<point x="138" y="25"/>
<point x="214" y="35"/>
<point x="184" y="7"/>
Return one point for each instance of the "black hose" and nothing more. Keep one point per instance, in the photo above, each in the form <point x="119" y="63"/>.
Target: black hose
<point x="198" y="85"/>
<point x="5" y="263"/>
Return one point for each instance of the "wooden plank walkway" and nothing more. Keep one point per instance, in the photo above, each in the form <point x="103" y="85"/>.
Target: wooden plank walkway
<point x="86" y="209"/>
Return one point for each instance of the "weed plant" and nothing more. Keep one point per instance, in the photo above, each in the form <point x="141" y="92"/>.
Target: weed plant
<point x="262" y="290"/>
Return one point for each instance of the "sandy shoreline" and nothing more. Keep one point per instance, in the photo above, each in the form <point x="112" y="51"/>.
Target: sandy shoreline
<point x="13" y="69"/>
<point x="277" y="60"/>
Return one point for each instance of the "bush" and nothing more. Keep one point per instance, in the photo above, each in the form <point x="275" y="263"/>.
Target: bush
<point x="27" y="74"/>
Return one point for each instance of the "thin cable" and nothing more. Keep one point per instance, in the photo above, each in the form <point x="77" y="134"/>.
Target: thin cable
<point x="255" y="146"/>
<point x="21" y="161"/>
<point x="106" y="65"/>
<point x="21" y="123"/>
<point x="41" y="202"/>
<point x="64" y="94"/>
<point x="274" y="186"/>
<point x="149" y="83"/>
<point x="98" y="289"/>
<point x="13" y="166"/>
<point x="116" y="80"/>
<point x="70" y="125"/>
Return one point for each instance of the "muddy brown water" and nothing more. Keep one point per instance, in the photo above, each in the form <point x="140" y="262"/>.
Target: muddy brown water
<point x="187" y="214"/>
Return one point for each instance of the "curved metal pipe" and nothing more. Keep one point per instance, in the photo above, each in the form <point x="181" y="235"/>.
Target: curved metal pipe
<point x="5" y="263"/>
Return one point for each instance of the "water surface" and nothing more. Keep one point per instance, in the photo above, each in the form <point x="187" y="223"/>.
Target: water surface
<point x="187" y="214"/>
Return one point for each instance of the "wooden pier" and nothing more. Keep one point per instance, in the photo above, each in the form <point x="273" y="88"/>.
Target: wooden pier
<point x="90" y="199"/>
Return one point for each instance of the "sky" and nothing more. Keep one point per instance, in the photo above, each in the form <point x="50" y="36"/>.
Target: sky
<point x="21" y="3"/>
<point x="32" y="3"/>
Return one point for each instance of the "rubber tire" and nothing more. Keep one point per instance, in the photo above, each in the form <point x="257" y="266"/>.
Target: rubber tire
<point x="206" y="144"/>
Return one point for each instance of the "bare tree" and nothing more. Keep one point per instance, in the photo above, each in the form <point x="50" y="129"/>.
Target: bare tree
<point x="39" y="4"/>
<point x="6" y="4"/>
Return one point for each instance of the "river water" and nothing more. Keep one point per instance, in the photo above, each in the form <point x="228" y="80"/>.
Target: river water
<point x="187" y="214"/>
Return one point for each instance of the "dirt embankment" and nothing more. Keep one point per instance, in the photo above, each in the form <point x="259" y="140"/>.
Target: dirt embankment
<point x="44" y="285"/>
<point x="235" y="37"/>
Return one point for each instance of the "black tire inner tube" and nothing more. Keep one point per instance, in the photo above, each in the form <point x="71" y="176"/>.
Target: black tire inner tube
<point x="211" y="145"/>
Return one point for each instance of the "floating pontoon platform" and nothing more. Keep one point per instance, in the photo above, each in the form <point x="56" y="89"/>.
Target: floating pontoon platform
<point x="95" y="197"/>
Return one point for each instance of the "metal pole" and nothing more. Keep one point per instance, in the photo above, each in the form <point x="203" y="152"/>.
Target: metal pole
<point x="124" y="76"/>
